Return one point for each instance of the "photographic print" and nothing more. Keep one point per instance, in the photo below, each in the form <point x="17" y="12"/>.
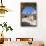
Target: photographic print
<point x="28" y="14"/>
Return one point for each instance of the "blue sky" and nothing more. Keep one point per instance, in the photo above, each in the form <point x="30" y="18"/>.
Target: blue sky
<point x="28" y="10"/>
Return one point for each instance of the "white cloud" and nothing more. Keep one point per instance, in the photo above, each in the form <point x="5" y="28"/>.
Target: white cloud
<point x="34" y="12"/>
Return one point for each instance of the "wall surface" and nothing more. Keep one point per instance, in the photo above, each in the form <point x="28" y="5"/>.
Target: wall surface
<point x="13" y="18"/>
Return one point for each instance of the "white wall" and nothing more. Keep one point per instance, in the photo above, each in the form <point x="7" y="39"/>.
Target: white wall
<point x="13" y="19"/>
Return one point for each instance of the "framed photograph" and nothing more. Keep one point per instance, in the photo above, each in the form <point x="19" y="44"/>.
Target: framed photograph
<point x="29" y="14"/>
